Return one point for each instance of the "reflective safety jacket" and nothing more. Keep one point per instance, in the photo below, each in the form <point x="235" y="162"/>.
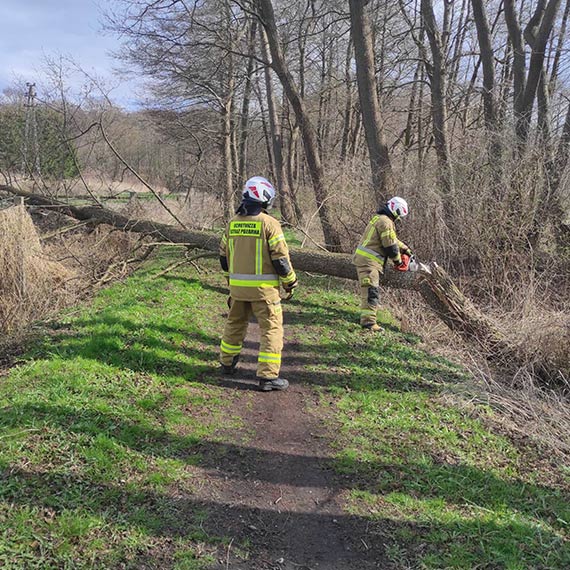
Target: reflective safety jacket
<point x="255" y="256"/>
<point x="378" y="243"/>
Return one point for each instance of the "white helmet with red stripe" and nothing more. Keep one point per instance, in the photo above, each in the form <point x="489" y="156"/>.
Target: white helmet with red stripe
<point x="398" y="206"/>
<point x="259" y="189"/>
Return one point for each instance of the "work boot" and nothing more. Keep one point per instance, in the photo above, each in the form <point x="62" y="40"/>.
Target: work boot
<point x="229" y="370"/>
<point x="372" y="327"/>
<point x="266" y="385"/>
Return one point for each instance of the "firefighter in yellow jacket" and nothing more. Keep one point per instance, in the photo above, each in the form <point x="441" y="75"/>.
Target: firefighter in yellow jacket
<point x="254" y="255"/>
<point x="378" y="244"/>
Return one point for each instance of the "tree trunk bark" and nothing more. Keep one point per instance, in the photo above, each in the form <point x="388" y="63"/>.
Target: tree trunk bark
<point x="536" y="66"/>
<point x="462" y="28"/>
<point x="266" y="133"/>
<point x="331" y="234"/>
<point x="489" y="93"/>
<point x="559" y="47"/>
<point x="227" y="170"/>
<point x="437" y="75"/>
<point x="244" y="119"/>
<point x="347" y="104"/>
<point x="519" y="62"/>
<point x="276" y="139"/>
<point x="488" y="63"/>
<point x="361" y="33"/>
<point x="291" y="162"/>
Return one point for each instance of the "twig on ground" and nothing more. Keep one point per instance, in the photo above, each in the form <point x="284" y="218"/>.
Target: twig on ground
<point x="19" y="433"/>
<point x="64" y="230"/>
<point x="187" y="260"/>
<point x="279" y="498"/>
<point x="142" y="257"/>
<point x="228" y="553"/>
<point x="165" y="243"/>
<point x="170" y="268"/>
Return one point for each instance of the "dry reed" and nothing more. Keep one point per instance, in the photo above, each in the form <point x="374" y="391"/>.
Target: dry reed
<point x="30" y="284"/>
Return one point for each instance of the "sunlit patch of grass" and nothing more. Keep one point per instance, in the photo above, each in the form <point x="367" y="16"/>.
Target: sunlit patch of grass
<point x="103" y="423"/>
<point x="101" y="426"/>
<point x="456" y="494"/>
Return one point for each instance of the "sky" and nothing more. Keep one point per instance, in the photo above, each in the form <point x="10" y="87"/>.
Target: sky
<point x="35" y="29"/>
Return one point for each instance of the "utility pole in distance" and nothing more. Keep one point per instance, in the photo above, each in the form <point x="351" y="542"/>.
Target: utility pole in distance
<point x="30" y="144"/>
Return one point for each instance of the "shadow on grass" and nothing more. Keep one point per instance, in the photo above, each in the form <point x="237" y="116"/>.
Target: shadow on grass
<point x="157" y="348"/>
<point x="163" y="513"/>
<point x="456" y="484"/>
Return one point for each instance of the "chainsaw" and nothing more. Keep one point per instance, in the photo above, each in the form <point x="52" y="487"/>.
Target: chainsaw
<point x="410" y="263"/>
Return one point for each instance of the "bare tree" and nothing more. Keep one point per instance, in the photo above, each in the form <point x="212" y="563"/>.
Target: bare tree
<point x="308" y="133"/>
<point x="244" y="116"/>
<point x="537" y="34"/>
<point x="276" y="138"/>
<point x="436" y="70"/>
<point x="489" y="90"/>
<point x="382" y="178"/>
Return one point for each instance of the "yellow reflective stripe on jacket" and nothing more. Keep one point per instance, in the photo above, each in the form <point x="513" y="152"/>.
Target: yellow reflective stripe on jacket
<point x="244" y="283"/>
<point x="389" y="233"/>
<point x="245" y="280"/>
<point x="258" y="257"/>
<point x="231" y="247"/>
<point x="276" y="239"/>
<point x="365" y="252"/>
<point x="371" y="230"/>
<point x="224" y="239"/>
<point x="289" y="278"/>
<point x="230" y="348"/>
<point x="269" y="357"/>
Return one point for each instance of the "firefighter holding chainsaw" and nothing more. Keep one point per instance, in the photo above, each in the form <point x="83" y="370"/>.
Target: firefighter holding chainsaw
<point x="378" y="244"/>
<point x="255" y="257"/>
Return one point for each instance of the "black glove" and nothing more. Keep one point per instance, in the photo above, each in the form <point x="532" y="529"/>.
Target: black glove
<point x="289" y="288"/>
<point x="229" y="302"/>
<point x="408" y="252"/>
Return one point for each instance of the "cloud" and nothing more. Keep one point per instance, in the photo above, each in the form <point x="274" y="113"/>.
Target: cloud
<point x="33" y="30"/>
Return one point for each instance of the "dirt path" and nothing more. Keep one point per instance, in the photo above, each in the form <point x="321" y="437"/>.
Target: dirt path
<point x="276" y="488"/>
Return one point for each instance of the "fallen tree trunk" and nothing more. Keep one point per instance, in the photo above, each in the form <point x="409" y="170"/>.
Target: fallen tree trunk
<point x="432" y="282"/>
<point x="336" y="265"/>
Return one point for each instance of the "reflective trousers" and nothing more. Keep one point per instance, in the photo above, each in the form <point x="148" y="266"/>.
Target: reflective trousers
<point x="269" y="315"/>
<point x="369" y="279"/>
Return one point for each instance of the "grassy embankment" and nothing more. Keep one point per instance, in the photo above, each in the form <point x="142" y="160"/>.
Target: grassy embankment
<point x="103" y="422"/>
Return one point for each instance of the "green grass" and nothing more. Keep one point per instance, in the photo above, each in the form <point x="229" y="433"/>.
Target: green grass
<point x="455" y="494"/>
<point x="103" y="423"/>
<point x="121" y="198"/>
<point x="101" y="426"/>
